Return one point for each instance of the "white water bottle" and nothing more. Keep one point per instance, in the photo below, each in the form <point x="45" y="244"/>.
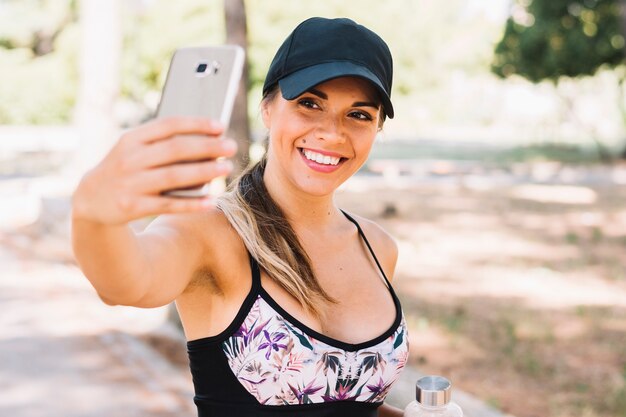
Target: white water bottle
<point x="432" y="399"/>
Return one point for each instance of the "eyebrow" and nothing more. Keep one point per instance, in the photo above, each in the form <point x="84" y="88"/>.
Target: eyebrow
<point x="324" y="96"/>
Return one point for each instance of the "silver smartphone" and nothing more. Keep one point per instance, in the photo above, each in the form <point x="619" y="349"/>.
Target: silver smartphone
<point x="201" y="81"/>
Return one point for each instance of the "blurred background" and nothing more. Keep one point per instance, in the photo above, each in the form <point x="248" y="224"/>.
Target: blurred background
<point x="502" y="178"/>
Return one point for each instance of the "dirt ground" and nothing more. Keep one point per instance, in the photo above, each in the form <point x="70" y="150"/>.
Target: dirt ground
<point x="515" y="290"/>
<point x="517" y="293"/>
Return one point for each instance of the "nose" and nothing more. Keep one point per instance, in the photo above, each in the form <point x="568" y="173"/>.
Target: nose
<point x="331" y="129"/>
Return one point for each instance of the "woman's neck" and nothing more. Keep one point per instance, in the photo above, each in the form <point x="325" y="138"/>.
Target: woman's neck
<point x="301" y="209"/>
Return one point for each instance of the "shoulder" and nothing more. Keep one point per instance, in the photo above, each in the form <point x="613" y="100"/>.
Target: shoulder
<point x="383" y="244"/>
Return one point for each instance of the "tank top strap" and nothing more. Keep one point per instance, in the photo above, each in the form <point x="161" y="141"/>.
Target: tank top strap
<point x="369" y="247"/>
<point x="256" y="274"/>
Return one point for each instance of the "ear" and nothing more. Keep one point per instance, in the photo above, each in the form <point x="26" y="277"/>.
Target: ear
<point x="265" y="113"/>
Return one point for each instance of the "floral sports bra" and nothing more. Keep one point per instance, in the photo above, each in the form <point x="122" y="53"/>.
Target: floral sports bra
<point x="267" y="363"/>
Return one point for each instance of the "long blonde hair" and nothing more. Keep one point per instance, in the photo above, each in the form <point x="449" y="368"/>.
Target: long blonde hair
<point x="270" y="239"/>
<point x="267" y="234"/>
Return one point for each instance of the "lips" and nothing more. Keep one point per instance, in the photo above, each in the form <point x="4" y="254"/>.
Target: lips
<point x="320" y="158"/>
<point x="321" y="161"/>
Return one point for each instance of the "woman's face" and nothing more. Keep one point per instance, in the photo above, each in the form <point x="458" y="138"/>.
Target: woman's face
<point x="321" y="138"/>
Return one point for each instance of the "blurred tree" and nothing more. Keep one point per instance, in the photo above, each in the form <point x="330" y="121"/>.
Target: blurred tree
<point x="237" y="34"/>
<point x="100" y="68"/>
<point x="48" y="19"/>
<point x="37" y="40"/>
<point x="152" y="31"/>
<point x="553" y="39"/>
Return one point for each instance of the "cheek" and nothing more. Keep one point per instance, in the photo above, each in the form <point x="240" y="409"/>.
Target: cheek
<point x="363" y="154"/>
<point x="282" y="139"/>
<point x="363" y="144"/>
<point x="287" y="131"/>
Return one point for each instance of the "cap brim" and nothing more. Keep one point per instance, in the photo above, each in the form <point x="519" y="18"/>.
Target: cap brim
<point x="302" y="80"/>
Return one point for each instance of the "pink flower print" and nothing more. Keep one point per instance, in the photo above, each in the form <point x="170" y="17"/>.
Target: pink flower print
<point x="329" y="361"/>
<point x="401" y="359"/>
<point x="249" y="333"/>
<point x="243" y="332"/>
<point x="372" y="360"/>
<point x="255" y="369"/>
<point x="285" y="397"/>
<point x="271" y="343"/>
<point x="302" y="394"/>
<point x="287" y="362"/>
<point x="379" y="389"/>
<point x="342" y="394"/>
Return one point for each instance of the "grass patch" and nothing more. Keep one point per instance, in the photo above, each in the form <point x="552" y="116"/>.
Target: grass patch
<point x="455" y="321"/>
<point x="485" y="152"/>
<point x="566" y="153"/>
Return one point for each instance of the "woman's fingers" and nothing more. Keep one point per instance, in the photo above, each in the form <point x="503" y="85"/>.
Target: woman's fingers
<point x="167" y="127"/>
<point x="127" y="184"/>
<point x="183" y="148"/>
<point x="169" y="177"/>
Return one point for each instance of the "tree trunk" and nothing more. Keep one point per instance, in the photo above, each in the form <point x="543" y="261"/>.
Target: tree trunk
<point x="236" y="34"/>
<point x="622" y="105"/>
<point x="603" y="153"/>
<point x="100" y="56"/>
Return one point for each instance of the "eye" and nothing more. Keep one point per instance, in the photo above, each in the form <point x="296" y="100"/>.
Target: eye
<point x="361" y="115"/>
<point x="308" y="103"/>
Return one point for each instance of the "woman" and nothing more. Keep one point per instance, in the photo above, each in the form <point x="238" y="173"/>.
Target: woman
<point x="283" y="297"/>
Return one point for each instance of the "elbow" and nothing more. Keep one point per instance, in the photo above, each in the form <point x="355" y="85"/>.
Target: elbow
<point x="109" y="301"/>
<point x="127" y="292"/>
<point x="127" y="300"/>
<point x="121" y="299"/>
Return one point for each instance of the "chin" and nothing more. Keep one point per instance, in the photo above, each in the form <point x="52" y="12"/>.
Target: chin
<point x="318" y="187"/>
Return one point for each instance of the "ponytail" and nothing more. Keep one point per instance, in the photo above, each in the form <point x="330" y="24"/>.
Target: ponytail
<point x="270" y="239"/>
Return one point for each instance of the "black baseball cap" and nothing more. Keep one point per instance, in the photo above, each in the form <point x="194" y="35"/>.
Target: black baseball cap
<point x="321" y="49"/>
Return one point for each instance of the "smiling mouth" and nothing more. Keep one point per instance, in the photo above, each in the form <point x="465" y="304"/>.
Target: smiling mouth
<point x="320" y="158"/>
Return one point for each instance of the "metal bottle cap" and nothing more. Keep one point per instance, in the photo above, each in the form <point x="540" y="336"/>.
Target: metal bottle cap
<point x="433" y="391"/>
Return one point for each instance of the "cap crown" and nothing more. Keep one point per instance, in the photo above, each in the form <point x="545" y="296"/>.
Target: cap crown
<point x="319" y="40"/>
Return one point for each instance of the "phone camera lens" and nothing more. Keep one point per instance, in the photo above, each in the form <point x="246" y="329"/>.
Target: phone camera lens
<point x="201" y="68"/>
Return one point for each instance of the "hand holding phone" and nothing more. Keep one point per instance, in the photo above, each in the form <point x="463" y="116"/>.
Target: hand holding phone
<point x="153" y="164"/>
<point x="201" y="81"/>
<point x="128" y="183"/>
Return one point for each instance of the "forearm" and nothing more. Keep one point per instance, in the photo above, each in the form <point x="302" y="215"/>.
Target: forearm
<point x="387" y="410"/>
<point x="112" y="260"/>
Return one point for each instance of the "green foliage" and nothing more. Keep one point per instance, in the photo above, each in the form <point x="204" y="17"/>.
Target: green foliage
<point x="26" y="23"/>
<point x="415" y="38"/>
<point x="37" y="86"/>
<point x="152" y="34"/>
<point x="549" y="39"/>
<point x="40" y="82"/>
<point x="414" y="30"/>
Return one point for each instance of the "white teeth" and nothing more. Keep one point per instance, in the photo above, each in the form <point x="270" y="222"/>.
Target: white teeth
<point x="320" y="159"/>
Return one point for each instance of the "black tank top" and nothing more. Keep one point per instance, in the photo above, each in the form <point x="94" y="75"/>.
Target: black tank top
<point x="267" y="363"/>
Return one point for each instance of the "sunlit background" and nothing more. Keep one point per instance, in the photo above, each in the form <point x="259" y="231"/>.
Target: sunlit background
<point x="502" y="178"/>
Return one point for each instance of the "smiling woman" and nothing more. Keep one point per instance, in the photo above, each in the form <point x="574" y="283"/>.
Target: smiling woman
<point x="321" y="79"/>
<point x="331" y="128"/>
<point x="285" y="299"/>
<point x="325" y="98"/>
